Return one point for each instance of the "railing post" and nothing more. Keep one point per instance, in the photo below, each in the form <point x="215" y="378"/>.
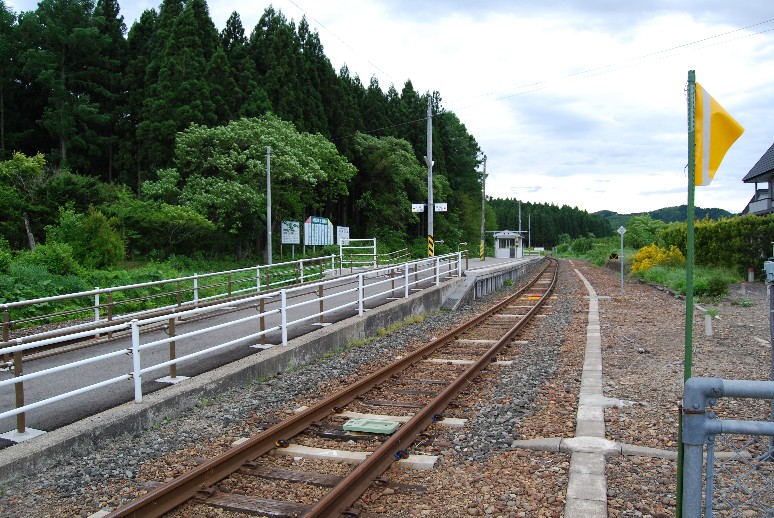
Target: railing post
<point x="96" y="309"/>
<point x="297" y="269"/>
<point x="230" y="277"/>
<point x="196" y="289"/>
<point x="262" y="320"/>
<point x="179" y="293"/>
<point x="360" y="294"/>
<point x="320" y="261"/>
<point x="96" y="305"/>
<point x="110" y="311"/>
<point x="136" y="366"/>
<point x="268" y="278"/>
<point x="172" y="354"/>
<point x="6" y="328"/>
<point x="459" y="264"/>
<point x="257" y="279"/>
<point x="284" y="316"/>
<point x="19" y="387"/>
<point x="437" y="271"/>
<point x="322" y="302"/>
<point x="405" y="280"/>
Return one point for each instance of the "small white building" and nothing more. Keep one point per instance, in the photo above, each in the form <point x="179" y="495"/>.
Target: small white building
<point x="508" y="244"/>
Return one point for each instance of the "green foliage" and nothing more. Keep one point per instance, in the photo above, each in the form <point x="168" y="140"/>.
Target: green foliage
<point x="582" y="245"/>
<point x="709" y="282"/>
<point x="93" y="238"/>
<point x="737" y="243"/>
<point x="56" y="257"/>
<point x="642" y="231"/>
<point x="678" y="214"/>
<point x="549" y="224"/>
<point x="389" y="178"/>
<point x="22" y="172"/>
<point x="156" y="227"/>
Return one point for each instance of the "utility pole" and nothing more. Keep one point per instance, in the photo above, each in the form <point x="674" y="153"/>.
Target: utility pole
<point x="483" y="210"/>
<point x="429" y="162"/>
<point x="268" y="205"/>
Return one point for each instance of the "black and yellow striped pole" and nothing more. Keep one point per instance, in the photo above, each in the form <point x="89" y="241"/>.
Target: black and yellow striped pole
<point x="429" y="162"/>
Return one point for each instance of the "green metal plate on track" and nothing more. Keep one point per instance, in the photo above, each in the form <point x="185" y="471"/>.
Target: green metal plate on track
<point x="371" y="426"/>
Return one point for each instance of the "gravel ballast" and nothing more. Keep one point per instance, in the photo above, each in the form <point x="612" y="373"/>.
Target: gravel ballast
<point x="480" y="472"/>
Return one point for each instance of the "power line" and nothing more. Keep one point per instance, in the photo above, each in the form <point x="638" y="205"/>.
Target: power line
<point x="621" y="65"/>
<point x="341" y="40"/>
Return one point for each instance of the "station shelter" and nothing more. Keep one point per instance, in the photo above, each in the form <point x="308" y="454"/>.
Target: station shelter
<point x="508" y="244"/>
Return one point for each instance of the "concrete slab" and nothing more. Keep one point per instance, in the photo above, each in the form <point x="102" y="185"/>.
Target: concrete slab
<point x="587" y="463"/>
<point x="587" y="486"/>
<point x="590" y="428"/>
<point x="15" y="436"/>
<point x="451" y="422"/>
<point x="423" y="462"/>
<point x="591" y="445"/>
<point x="584" y="508"/>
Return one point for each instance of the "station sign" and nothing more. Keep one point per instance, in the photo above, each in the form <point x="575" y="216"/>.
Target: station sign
<point x="291" y="233"/>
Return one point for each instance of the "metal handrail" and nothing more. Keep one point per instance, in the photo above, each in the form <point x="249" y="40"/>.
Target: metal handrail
<point x="137" y="325"/>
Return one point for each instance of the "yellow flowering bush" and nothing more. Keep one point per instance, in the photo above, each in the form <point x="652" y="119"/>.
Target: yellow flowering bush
<point x="653" y="255"/>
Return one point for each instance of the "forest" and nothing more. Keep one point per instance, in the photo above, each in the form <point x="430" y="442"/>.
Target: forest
<point x="153" y="141"/>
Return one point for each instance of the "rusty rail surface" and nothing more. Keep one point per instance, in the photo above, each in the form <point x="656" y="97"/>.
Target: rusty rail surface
<point x="341" y="497"/>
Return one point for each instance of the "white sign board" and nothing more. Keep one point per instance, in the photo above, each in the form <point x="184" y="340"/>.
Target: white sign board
<point x="291" y="233"/>
<point x="342" y="235"/>
<point x="440" y="207"/>
<point x="318" y="231"/>
<point x="417" y="207"/>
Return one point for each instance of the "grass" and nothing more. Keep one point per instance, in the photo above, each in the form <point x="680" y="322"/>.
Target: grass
<point x="707" y="282"/>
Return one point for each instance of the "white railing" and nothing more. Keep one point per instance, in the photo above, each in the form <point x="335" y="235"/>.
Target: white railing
<point x="187" y="291"/>
<point x="357" y="253"/>
<point x="355" y="289"/>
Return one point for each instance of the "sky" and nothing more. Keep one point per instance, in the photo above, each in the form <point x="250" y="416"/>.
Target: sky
<point x="579" y="103"/>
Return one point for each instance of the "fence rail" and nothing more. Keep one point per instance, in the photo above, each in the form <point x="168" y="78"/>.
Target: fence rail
<point x="295" y="306"/>
<point x="739" y="471"/>
<point x="103" y="306"/>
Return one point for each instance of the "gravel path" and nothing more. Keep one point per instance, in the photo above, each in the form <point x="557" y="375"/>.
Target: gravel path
<point x="479" y="472"/>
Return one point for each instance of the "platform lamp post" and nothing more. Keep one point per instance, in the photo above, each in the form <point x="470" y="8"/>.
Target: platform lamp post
<point x="483" y="210"/>
<point x="622" y="231"/>
<point x="268" y="205"/>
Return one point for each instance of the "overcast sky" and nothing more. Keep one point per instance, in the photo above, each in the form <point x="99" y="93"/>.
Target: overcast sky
<point x="576" y="103"/>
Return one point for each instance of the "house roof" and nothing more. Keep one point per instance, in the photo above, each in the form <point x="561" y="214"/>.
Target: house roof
<point x="763" y="169"/>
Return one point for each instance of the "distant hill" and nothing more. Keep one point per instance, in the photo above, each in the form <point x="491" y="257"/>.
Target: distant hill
<point x="667" y="215"/>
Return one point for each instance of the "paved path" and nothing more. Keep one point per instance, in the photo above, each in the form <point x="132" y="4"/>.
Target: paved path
<point x="587" y="484"/>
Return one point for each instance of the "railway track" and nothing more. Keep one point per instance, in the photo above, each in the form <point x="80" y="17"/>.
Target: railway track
<point x="321" y="461"/>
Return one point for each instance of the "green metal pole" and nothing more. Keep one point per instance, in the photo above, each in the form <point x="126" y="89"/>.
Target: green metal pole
<point x="689" y="260"/>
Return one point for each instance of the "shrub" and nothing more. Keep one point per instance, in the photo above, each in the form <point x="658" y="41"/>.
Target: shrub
<point x="56" y="258"/>
<point x="653" y="255"/>
<point x="92" y="237"/>
<point x="582" y="245"/>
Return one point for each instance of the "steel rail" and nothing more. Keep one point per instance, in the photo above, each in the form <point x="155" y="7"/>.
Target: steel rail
<point x="166" y="497"/>
<point x="352" y="486"/>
